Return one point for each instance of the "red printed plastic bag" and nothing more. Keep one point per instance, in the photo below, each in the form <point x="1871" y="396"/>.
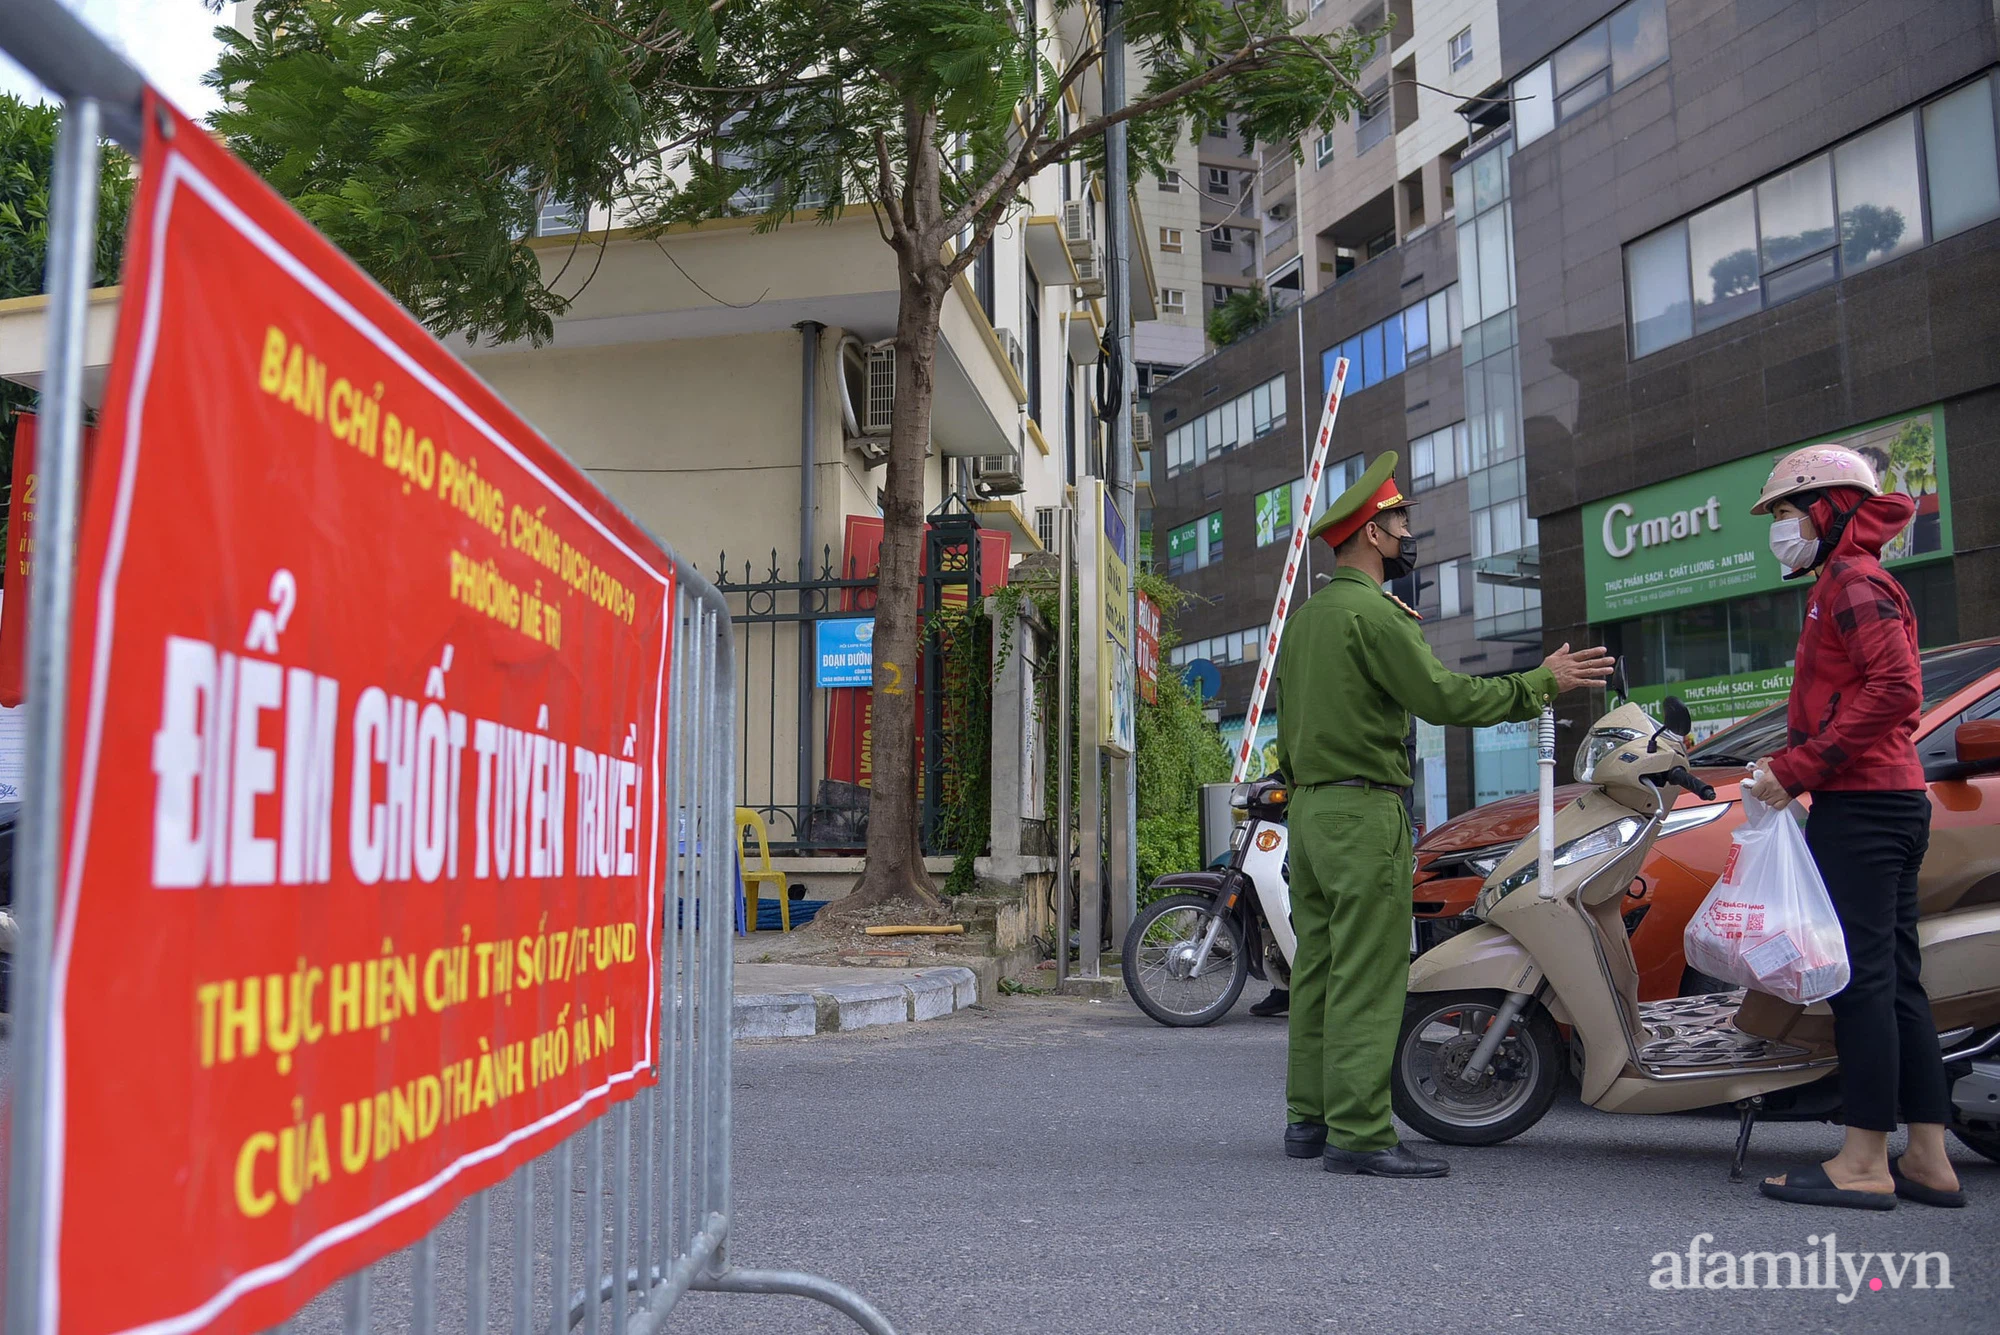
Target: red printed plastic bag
<point x="1768" y="923"/>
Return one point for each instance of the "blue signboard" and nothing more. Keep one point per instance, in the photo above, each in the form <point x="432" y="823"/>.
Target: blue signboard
<point x="845" y="651"/>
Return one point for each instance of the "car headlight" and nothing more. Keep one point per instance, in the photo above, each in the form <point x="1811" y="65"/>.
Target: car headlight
<point x="1600" y="743"/>
<point x="1478" y="862"/>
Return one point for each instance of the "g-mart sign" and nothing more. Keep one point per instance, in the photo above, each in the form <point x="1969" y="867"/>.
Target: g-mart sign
<point x="1693" y="539"/>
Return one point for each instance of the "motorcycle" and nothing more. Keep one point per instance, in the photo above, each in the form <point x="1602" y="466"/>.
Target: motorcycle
<point x="1545" y="983"/>
<point x="1188" y="954"/>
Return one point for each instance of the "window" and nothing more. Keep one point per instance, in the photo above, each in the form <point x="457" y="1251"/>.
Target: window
<point x="1219" y="293"/>
<point x="1964" y="186"/>
<point x="1169" y="180"/>
<point x="1237" y="422"/>
<point x="1219" y="130"/>
<point x="1034" y="332"/>
<point x="1438" y="458"/>
<point x="1722" y="257"/>
<point x="1218" y="181"/>
<point x="1173" y="300"/>
<point x="1194" y="545"/>
<point x="558" y="219"/>
<point x="1323" y="149"/>
<point x="1881" y="204"/>
<point x="1460" y="49"/>
<point x="1222" y="239"/>
<point x="1656" y="283"/>
<point x="1170" y="240"/>
<point x="1587" y="68"/>
<point x="1416" y="332"/>
<point x="1372" y="125"/>
<point x="1843" y="211"/>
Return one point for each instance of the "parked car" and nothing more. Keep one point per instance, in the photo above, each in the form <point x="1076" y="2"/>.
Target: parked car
<point x="1960" y="683"/>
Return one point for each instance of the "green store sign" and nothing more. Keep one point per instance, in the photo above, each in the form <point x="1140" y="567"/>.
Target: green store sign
<point x="1716" y="702"/>
<point x="1693" y="539"/>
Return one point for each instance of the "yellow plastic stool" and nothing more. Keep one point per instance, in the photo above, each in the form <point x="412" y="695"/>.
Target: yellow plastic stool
<point x="748" y="819"/>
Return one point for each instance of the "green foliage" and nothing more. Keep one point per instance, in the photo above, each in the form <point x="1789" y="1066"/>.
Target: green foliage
<point x="1246" y="310"/>
<point x="965" y="802"/>
<point x="27" y="166"/>
<point x="424" y="135"/>
<point x="1178" y="751"/>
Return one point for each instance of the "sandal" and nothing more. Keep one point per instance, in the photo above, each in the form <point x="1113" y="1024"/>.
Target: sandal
<point x="1912" y="1190"/>
<point x="1811" y="1186"/>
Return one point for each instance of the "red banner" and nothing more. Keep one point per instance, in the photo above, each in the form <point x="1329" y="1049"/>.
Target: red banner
<point x="358" y="910"/>
<point x="21" y="555"/>
<point x="1146" y="651"/>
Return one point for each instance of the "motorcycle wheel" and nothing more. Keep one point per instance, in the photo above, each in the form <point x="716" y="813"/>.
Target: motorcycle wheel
<point x="1440" y="1032"/>
<point x="1980" y="1137"/>
<point x="1159" y="950"/>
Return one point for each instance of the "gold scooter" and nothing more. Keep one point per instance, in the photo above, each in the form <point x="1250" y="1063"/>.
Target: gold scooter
<point x="1482" y="1049"/>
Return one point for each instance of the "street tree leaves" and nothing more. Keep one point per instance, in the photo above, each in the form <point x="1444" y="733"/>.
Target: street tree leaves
<point x="27" y="167"/>
<point x="424" y="135"/>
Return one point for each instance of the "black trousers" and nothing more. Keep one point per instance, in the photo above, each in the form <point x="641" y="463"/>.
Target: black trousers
<point x="1869" y="846"/>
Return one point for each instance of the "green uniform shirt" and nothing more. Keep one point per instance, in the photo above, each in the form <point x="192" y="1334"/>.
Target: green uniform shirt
<point x="1353" y="667"/>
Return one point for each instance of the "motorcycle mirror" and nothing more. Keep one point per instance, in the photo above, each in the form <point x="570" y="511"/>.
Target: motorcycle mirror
<point x="1675" y="716"/>
<point x="1618" y="684"/>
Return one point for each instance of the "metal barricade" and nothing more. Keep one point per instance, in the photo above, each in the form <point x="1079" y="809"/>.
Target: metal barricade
<point x="654" y="1170"/>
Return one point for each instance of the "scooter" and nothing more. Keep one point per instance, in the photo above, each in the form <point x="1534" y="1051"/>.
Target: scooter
<point x="1546" y="982"/>
<point x="1188" y="953"/>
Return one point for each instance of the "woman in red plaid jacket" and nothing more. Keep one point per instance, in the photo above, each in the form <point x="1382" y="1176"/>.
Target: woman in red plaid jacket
<point x="1856" y="693"/>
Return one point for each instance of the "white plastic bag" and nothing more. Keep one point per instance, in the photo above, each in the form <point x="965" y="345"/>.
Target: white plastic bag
<point x="1768" y="923"/>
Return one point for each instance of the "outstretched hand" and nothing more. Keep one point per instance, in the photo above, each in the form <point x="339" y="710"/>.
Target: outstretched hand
<point x="1585" y="667"/>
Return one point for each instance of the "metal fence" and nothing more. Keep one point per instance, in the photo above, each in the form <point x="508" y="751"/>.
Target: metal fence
<point x="655" y="1170"/>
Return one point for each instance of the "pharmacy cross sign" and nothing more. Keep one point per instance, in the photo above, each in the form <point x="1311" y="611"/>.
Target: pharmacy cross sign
<point x="1298" y="549"/>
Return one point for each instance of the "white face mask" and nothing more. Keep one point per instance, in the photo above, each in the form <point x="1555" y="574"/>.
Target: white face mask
<point x="1793" y="551"/>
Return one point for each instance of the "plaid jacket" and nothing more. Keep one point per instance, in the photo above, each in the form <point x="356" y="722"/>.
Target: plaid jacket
<point x="1857" y="689"/>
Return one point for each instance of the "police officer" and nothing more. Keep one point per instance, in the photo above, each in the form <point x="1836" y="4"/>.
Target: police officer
<point x="1353" y="668"/>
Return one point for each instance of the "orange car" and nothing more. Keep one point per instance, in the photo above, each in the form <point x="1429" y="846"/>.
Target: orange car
<point x="1960" y="683"/>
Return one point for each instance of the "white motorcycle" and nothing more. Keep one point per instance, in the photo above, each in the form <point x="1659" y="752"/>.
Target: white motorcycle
<point x="1189" y="953"/>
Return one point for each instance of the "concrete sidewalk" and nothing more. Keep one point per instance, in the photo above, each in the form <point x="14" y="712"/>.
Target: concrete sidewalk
<point x="799" y="1000"/>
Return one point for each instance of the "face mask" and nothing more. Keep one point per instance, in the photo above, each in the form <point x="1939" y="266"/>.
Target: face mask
<point x="1403" y="562"/>
<point x="1793" y="552"/>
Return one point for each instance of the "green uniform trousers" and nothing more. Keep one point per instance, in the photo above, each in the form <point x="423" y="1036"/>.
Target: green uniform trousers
<point x="1350" y="859"/>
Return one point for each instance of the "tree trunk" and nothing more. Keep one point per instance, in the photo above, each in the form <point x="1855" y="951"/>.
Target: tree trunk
<point x="895" y="869"/>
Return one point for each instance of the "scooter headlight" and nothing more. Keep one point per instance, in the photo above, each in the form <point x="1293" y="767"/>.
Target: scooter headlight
<point x="1606" y="839"/>
<point x="1600" y="743"/>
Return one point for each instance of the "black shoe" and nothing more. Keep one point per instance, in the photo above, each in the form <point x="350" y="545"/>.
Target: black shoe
<point x="1278" y="1003"/>
<point x="1304" y="1139"/>
<point x="1396" y="1161"/>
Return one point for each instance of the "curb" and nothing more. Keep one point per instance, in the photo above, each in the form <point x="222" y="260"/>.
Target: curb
<point x="839" y="1007"/>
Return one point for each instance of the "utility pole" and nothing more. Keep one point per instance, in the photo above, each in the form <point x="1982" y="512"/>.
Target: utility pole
<point x="1123" y="845"/>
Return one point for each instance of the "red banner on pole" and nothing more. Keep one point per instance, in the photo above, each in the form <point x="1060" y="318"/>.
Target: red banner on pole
<point x="1147" y="651"/>
<point x="21" y="555"/>
<point x="359" y="905"/>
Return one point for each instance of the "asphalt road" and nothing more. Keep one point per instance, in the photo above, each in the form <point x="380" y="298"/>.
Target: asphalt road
<point x="1061" y="1166"/>
<point x="1054" y="1166"/>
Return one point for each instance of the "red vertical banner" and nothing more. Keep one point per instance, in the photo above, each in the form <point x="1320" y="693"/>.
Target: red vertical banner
<point x="1146" y="650"/>
<point x="359" y="908"/>
<point x="21" y="556"/>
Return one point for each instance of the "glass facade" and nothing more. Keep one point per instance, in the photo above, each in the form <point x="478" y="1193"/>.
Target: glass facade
<point x="1589" y="67"/>
<point x="1486" y="448"/>
<point x="1918" y="177"/>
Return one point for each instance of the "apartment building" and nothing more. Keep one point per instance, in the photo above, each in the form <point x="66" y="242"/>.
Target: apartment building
<point x="1743" y="229"/>
<point x="1390" y="245"/>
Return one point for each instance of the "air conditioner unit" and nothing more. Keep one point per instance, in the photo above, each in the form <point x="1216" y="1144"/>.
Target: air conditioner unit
<point x="1079" y="225"/>
<point x="997" y="474"/>
<point x="1017" y="356"/>
<point x="1090" y="271"/>
<point x="880" y="407"/>
<point x="1142" y="431"/>
<point x="1048" y="528"/>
